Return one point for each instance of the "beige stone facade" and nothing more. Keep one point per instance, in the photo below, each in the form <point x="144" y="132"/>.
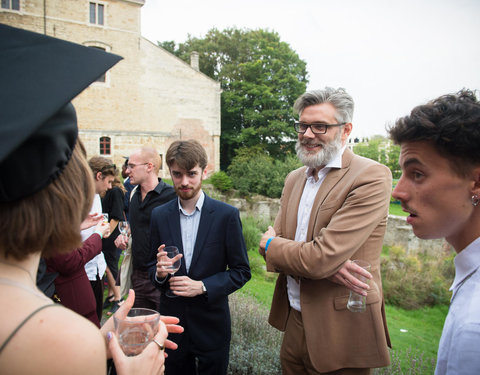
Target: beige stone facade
<point x="149" y="98"/>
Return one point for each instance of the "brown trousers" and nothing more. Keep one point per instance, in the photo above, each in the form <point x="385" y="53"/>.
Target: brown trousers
<point x="294" y="356"/>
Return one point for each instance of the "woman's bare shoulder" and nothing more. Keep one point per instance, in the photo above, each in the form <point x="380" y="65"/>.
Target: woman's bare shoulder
<point x="57" y="341"/>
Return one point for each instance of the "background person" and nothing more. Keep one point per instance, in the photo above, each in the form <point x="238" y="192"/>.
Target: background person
<point x="103" y="175"/>
<point x="113" y="205"/>
<point x="71" y="284"/>
<point x="208" y="234"/>
<point x="333" y="210"/>
<point x="143" y="167"/>
<point x="440" y="189"/>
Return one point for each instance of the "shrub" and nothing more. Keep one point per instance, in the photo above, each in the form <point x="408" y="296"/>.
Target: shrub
<point x="252" y="231"/>
<point x="255" y="345"/>
<point x="255" y="172"/>
<point x="221" y="181"/>
<point x="412" y="281"/>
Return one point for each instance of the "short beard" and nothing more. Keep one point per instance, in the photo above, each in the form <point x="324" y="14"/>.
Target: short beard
<point x="322" y="157"/>
<point x="187" y="196"/>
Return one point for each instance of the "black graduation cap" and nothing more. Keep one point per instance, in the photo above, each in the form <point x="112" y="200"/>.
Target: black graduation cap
<point x="39" y="76"/>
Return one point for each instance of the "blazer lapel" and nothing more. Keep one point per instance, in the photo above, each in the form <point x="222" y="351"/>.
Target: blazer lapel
<point x="206" y="220"/>
<point x="293" y="203"/>
<point x="175" y="231"/>
<point x="331" y="179"/>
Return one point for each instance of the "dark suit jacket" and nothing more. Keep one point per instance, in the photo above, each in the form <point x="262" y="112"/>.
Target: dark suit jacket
<point x="72" y="284"/>
<point x="219" y="260"/>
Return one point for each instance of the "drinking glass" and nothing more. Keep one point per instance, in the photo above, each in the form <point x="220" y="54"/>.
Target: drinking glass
<point x="357" y="302"/>
<point x="124" y="228"/>
<point x="136" y="330"/>
<point x="172" y="252"/>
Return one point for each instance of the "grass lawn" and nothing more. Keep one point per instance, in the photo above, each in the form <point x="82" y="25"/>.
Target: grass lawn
<point x="415" y="335"/>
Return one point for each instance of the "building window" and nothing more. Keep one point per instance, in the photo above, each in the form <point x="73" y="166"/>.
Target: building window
<point x="96" y="13"/>
<point x="102" y="78"/>
<point x="161" y="161"/>
<point x="105" y="144"/>
<point x="11" y="4"/>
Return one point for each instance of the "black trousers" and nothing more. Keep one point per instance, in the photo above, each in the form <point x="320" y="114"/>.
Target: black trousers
<point x="97" y="287"/>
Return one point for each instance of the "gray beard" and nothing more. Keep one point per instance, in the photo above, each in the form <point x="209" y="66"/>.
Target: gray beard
<point x="322" y="157"/>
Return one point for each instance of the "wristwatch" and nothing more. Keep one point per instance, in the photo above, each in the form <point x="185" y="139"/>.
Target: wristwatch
<point x="204" y="289"/>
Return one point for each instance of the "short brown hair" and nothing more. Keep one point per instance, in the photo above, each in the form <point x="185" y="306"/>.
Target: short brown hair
<point x="187" y="154"/>
<point x="103" y="165"/>
<point x="49" y="220"/>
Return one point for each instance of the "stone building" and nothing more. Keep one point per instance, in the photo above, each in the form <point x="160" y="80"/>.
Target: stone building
<point x="149" y="98"/>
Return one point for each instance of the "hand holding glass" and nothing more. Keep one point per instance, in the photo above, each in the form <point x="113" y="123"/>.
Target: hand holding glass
<point x="357" y="302"/>
<point x="172" y="267"/>
<point x="136" y="330"/>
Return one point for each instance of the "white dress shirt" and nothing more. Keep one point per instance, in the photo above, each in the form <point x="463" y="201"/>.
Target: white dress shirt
<point x="189" y="227"/>
<point x="303" y="218"/>
<point x="459" y="348"/>
<point x="97" y="265"/>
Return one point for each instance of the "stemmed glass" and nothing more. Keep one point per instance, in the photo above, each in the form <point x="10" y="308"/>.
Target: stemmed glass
<point x="124" y="228"/>
<point x="172" y="252"/>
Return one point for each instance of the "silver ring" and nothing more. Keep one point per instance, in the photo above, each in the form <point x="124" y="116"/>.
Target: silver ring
<point x="162" y="347"/>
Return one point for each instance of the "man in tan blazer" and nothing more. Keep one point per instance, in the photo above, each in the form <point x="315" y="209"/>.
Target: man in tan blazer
<point x="333" y="210"/>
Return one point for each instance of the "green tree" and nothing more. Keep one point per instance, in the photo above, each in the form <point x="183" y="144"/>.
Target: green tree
<point x="261" y="77"/>
<point x="380" y="149"/>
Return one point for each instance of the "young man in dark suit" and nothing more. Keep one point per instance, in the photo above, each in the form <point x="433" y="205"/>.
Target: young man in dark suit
<point x="208" y="234"/>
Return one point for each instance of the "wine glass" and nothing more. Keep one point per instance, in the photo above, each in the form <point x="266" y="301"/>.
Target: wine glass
<point x="124" y="228"/>
<point x="172" y="252"/>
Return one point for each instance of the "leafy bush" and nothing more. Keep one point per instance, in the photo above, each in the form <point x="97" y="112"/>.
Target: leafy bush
<point x="412" y="281"/>
<point x="255" y="345"/>
<point x="252" y="231"/>
<point x="255" y="172"/>
<point x="221" y="181"/>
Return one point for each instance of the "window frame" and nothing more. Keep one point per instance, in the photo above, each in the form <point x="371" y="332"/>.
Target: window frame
<point x="89" y="15"/>
<point x="10" y="5"/>
<point x="105" y="144"/>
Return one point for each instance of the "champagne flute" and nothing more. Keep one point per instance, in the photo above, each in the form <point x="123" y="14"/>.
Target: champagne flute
<point x="172" y="252"/>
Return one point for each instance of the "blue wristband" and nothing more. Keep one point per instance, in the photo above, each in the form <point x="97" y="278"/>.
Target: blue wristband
<point x="268" y="243"/>
<point x="99" y="233"/>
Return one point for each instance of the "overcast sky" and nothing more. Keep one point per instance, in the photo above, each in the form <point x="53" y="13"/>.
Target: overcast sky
<point x="389" y="55"/>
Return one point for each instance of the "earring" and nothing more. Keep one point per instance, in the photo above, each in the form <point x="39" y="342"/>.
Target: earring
<point x="475" y="200"/>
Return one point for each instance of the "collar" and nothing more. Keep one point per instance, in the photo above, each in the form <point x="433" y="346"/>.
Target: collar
<point x="158" y="189"/>
<point x="466" y="262"/>
<point x="335" y="162"/>
<point x="198" y="205"/>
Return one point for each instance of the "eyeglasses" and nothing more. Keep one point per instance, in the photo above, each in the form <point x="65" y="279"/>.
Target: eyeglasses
<point x="131" y="165"/>
<point x="301" y="127"/>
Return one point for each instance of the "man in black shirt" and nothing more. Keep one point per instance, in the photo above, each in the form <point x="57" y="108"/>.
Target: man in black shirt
<point x="143" y="166"/>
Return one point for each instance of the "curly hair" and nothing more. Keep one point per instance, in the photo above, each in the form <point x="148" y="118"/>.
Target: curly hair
<point x="451" y="123"/>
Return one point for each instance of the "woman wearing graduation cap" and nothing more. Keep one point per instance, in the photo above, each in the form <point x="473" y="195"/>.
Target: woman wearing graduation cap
<point x="46" y="191"/>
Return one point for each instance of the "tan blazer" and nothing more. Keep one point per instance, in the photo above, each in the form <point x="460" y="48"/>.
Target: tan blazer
<point x="348" y="221"/>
